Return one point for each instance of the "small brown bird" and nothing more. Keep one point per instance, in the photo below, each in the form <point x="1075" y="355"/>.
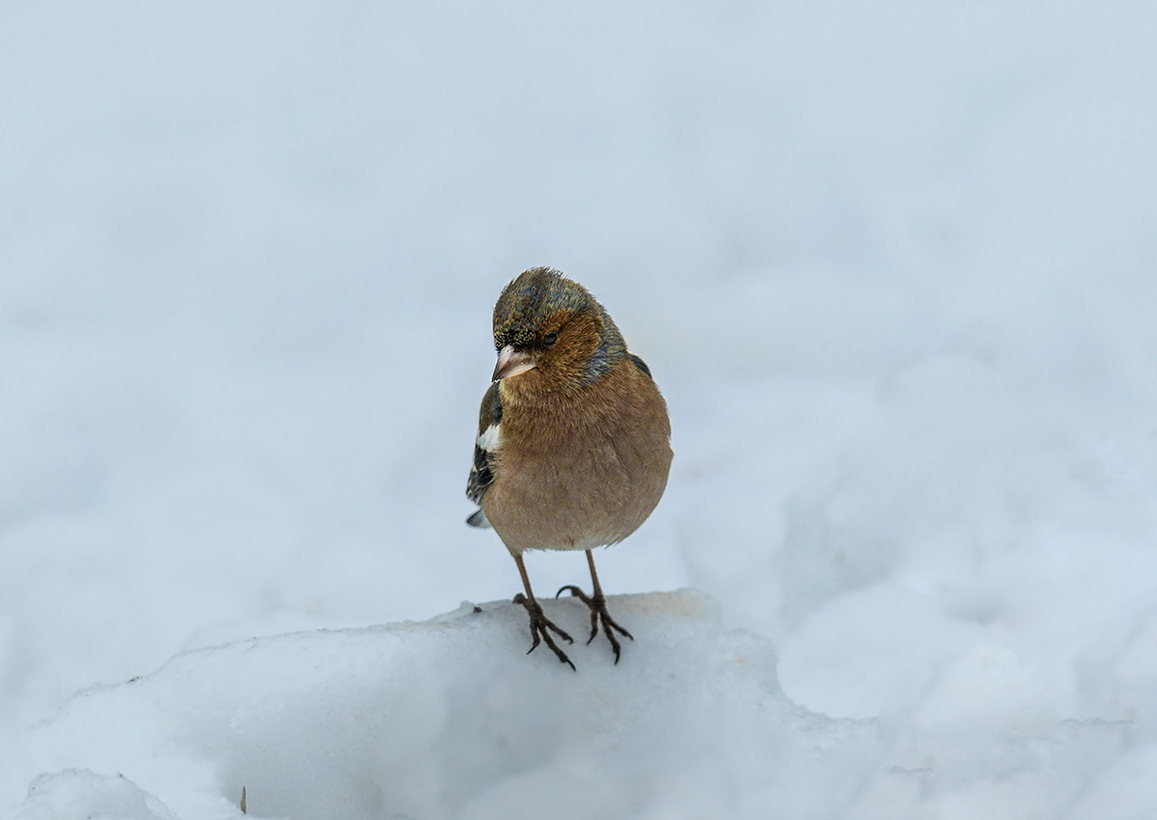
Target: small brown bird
<point x="573" y="445"/>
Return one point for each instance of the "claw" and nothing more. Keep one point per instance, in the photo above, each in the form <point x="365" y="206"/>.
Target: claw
<point x="599" y="615"/>
<point x="540" y="627"/>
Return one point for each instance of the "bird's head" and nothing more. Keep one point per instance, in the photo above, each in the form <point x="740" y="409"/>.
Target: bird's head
<point x="552" y="334"/>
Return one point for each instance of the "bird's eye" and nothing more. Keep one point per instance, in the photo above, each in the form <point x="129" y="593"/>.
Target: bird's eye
<point x="550" y="338"/>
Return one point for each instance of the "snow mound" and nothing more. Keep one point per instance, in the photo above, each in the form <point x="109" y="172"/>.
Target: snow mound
<point x="451" y="718"/>
<point x="79" y="794"/>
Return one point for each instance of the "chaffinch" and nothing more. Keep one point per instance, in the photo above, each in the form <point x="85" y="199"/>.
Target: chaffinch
<point x="573" y="445"/>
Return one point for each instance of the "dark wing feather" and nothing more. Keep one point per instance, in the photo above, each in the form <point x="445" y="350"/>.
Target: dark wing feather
<point x="482" y="470"/>
<point x="639" y="363"/>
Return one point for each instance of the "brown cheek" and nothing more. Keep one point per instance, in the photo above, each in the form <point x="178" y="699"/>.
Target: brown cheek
<point x="582" y="341"/>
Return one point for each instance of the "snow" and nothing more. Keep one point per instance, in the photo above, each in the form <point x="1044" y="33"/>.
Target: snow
<point x="893" y="267"/>
<point x="448" y="718"/>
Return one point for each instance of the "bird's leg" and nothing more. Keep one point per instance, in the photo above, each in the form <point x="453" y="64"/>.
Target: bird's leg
<point x="598" y="606"/>
<point x="540" y="625"/>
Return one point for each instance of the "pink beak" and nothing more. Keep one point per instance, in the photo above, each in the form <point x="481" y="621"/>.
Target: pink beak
<point x="511" y="363"/>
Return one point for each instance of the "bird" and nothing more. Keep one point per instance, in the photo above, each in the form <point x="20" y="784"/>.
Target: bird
<point x="574" y="440"/>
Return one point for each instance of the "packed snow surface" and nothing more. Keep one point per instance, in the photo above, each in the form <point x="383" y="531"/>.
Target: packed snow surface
<point x="448" y="718"/>
<point x="893" y="265"/>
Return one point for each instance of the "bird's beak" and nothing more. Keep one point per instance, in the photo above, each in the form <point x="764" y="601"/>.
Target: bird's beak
<point x="511" y="363"/>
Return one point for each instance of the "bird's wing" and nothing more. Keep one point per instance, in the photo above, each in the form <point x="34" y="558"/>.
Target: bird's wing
<point x="639" y="363"/>
<point x="485" y="447"/>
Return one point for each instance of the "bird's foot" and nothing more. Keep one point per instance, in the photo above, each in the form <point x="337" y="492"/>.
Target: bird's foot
<point x="599" y="616"/>
<point x="540" y="627"/>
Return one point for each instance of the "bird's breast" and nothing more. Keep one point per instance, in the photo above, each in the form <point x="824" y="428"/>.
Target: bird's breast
<point x="579" y="474"/>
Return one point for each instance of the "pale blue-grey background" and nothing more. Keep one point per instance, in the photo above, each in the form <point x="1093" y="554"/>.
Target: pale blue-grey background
<point x="894" y="266"/>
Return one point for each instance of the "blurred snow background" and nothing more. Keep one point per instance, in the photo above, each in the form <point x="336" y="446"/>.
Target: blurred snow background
<point x="894" y="267"/>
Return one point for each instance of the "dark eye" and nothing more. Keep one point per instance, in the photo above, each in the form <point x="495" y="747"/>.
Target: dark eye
<point x="550" y="338"/>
